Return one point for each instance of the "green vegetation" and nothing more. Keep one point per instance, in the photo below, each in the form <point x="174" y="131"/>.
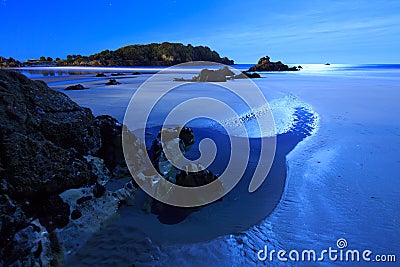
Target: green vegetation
<point x="154" y="54"/>
<point x="165" y="54"/>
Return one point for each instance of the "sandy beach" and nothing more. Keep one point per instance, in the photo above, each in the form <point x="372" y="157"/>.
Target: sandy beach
<point x="342" y="181"/>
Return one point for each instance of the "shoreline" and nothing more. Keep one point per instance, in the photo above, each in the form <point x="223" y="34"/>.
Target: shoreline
<point x="339" y="168"/>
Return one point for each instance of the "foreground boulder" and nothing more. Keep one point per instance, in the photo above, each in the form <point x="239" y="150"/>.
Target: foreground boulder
<point x="264" y="64"/>
<point x="41" y="131"/>
<point x="50" y="166"/>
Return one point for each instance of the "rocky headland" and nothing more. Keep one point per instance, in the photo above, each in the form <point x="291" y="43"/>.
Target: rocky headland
<point x="154" y="54"/>
<point x="265" y="64"/>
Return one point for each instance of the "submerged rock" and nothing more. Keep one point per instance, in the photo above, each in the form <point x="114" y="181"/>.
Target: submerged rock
<point x="76" y="87"/>
<point x="112" y="82"/>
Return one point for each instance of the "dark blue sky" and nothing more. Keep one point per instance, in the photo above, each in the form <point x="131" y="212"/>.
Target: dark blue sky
<point x="312" y="31"/>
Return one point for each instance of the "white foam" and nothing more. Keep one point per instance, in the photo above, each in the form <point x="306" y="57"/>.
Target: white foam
<point x="283" y="112"/>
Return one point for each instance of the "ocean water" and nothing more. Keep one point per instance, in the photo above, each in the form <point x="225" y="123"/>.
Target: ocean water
<point x="337" y="177"/>
<point x="359" y="70"/>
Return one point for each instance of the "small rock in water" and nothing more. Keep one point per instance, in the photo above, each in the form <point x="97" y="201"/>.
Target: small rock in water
<point x="76" y="87"/>
<point x="112" y="82"/>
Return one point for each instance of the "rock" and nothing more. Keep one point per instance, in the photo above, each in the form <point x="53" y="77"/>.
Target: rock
<point x="100" y="75"/>
<point x="179" y="80"/>
<point x="112" y="82"/>
<point x="49" y="145"/>
<point x="76" y="214"/>
<point x="37" y="166"/>
<point x="41" y="132"/>
<point x="98" y="190"/>
<point x="246" y="75"/>
<point x="12" y="219"/>
<point x="220" y="75"/>
<point x="192" y="176"/>
<point x="136" y="73"/>
<point x="111" y="150"/>
<point x="264" y="64"/>
<point x="111" y="137"/>
<point x="89" y="216"/>
<point x="76" y="87"/>
<point x="194" y="179"/>
<point x="207" y="75"/>
<point x="299" y="67"/>
<point x="117" y="74"/>
<point x="23" y="248"/>
<point x="53" y="212"/>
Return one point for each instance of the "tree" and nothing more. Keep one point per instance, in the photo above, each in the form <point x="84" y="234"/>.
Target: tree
<point x="42" y="58"/>
<point x="49" y="59"/>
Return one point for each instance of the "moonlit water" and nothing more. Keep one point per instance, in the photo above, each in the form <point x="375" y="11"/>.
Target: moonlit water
<point x="342" y="181"/>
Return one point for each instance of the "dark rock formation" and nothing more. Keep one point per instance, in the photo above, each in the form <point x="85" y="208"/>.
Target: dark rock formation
<point x="214" y="75"/>
<point x="117" y="74"/>
<point x="52" y="211"/>
<point x="48" y="145"/>
<point x="264" y="64"/>
<point x="76" y="214"/>
<point x="194" y="179"/>
<point x="111" y="137"/>
<point x="100" y="75"/>
<point x="112" y="82"/>
<point x="207" y="75"/>
<point x="197" y="176"/>
<point x="76" y="87"/>
<point x="41" y="131"/>
<point x="246" y="75"/>
<point x="136" y="73"/>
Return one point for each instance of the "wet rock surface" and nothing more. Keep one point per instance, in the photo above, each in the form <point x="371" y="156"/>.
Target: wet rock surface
<point x="190" y="176"/>
<point x="52" y="176"/>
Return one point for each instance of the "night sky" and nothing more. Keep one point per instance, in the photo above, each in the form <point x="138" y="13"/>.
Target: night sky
<point x="313" y="31"/>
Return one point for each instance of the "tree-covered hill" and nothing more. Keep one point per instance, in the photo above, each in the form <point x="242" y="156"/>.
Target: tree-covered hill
<point x="154" y="54"/>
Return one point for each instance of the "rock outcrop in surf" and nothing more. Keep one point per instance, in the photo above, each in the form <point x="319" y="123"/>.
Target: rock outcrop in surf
<point x="264" y="64"/>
